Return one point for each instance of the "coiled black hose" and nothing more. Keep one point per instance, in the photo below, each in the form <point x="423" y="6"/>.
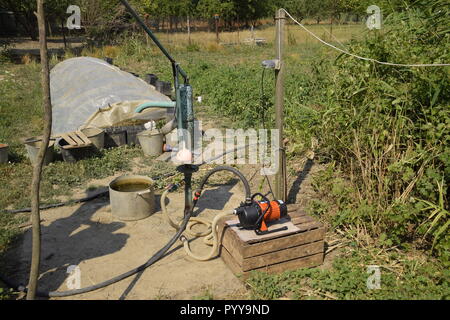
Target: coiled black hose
<point x="199" y="191"/>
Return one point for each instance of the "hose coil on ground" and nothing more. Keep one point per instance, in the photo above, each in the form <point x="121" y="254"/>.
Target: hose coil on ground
<point x="210" y="235"/>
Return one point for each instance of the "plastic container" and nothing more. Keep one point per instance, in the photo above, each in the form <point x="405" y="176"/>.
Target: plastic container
<point x="151" y="79"/>
<point x="96" y="135"/>
<point x="4" y="148"/>
<point x="164" y="87"/>
<point x="132" y="132"/>
<point x="33" y="145"/>
<point x="151" y="142"/>
<point x="115" y="137"/>
<point x="132" y="197"/>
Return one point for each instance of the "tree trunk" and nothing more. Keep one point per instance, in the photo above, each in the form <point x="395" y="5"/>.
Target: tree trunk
<point x="64" y="34"/>
<point x="37" y="167"/>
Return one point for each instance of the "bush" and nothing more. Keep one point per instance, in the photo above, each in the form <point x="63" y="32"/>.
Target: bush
<point x="389" y="127"/>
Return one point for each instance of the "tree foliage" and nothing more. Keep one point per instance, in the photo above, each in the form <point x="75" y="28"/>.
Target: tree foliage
<point x="99" y="13"/>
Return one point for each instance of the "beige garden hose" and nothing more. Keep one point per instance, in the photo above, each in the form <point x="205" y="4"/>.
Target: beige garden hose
<point x="210" y="235"/>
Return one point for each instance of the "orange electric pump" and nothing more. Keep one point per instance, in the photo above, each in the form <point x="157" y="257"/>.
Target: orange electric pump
<point x="255" y="215"/>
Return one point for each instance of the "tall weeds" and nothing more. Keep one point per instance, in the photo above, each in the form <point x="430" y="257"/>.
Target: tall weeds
<point x="388" y="128"/>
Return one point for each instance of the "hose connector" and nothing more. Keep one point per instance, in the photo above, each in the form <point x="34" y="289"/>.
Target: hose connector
<point x="197" y="194"/>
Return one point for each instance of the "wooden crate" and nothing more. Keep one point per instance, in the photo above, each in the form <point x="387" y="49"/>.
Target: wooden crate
<point x="277" y="252"/>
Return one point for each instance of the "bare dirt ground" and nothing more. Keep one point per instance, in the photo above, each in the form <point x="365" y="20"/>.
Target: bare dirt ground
<point x="89" y="236"/>
<point x="103" y="247"/>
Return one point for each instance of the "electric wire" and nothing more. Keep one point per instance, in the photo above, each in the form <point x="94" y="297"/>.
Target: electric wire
<point x="364" y="58"/>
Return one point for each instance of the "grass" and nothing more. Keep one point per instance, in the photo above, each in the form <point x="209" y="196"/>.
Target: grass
<point x="225" y="75"/>
<point x="402" y="277"/>
<point x="340" y="33"/>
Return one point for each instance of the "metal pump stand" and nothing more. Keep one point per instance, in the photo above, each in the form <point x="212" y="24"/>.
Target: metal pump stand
<point x="184" y="110"/>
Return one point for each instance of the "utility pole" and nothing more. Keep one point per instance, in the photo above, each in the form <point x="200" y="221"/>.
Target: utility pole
<point x="216" y="18"/>
<point x="189" y="29"/>
<point x="280" y="178"/>
<point x="238" y="27"/>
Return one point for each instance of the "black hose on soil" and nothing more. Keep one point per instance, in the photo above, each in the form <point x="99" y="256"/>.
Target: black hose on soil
<point x="156" y="257"/>
<point x="236" y="172"/>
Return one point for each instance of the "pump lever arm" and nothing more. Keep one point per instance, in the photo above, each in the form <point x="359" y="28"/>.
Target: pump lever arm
<point x="155" y="39"/>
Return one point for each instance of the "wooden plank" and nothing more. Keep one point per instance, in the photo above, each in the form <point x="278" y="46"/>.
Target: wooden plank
<point x="68" y="139"/>
<point x="296" y="213"/>
<point x="230" y="261"/>
<point x="301" y="228"/>
<point x="83" y="137"/>
<point x="75" y="138"/>
<point x="231" y="241"/>
<point x="282" y="243"/>
<point x="281" y="255"/>
<point x="68" y="147"/>
<point x="303" y="262"/>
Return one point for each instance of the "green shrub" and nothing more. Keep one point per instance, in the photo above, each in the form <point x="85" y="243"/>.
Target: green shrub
<point x="389" y="127"/>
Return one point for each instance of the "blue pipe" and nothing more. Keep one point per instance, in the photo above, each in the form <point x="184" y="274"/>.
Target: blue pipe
<point x="155" y="104"/>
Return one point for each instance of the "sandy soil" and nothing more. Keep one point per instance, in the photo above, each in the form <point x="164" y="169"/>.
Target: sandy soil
<point x="89" y="236"/>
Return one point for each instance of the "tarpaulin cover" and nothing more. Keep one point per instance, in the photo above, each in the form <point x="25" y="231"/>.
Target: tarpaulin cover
<point x="116" y="114"/>
<point x="82" y="86"/>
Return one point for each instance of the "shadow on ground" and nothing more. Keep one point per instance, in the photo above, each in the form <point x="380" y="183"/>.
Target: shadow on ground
<point x="66" y="242"/>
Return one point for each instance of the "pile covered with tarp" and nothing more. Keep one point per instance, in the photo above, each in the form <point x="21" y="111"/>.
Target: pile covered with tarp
<point x="89" y="92"/>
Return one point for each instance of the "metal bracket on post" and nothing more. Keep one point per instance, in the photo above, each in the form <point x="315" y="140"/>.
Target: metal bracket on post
<point x="272" y="64"/>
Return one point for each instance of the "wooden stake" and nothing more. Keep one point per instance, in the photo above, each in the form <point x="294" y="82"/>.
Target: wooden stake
<point x="217" y="30"/>
<point x="280" y="178"/>
<point x="189" y="29"/>
<point x="37" y="169"/>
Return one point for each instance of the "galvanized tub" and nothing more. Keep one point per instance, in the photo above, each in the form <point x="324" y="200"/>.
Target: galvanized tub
<point x="33" y="145"/>
<point x="96" y="135"/>
<point x="132" y="197"/>
<point x="151" y="142"/>
<point x="4" y="153"/>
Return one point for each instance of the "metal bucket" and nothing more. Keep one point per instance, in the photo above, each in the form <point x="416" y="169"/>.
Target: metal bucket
<point x="75" y="154"/>
<point x="96" y="135"/>
<point x="4" y="153"/>
<point x="132" y="197"/>
<point x="151" y="142"/>
<point x="115" y="137"/>
<point x="33" y="145"/>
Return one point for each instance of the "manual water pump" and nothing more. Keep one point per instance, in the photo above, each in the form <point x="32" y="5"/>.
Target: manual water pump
<point x="184" y="113"/>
